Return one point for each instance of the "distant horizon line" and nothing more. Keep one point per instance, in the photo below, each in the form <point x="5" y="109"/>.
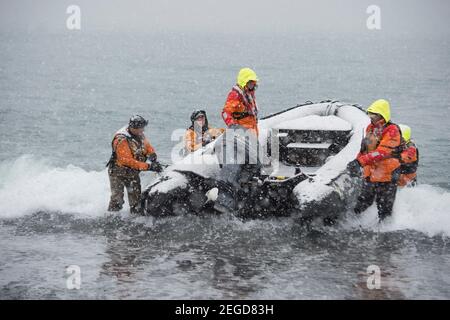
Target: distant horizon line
<point x="182" y="32"/>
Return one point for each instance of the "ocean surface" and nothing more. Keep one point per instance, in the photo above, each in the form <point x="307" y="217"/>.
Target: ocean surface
<point x="63" y="95"/>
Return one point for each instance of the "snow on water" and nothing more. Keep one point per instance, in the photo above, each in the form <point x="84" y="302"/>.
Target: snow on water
<point x="28" y="185"/>
<point x="424" y="208"/>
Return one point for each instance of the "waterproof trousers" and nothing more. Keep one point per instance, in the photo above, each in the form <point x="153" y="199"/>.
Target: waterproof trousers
<point x="121" y="178"/>
<point x="382" y="192"/>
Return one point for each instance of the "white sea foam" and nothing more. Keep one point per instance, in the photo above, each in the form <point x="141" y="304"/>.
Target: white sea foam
<point x="424" y="208"/>
<point x="28" y="185"/>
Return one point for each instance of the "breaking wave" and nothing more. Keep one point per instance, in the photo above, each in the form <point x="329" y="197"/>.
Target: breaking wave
<point x="424" y="208"/>
<point x="29" y="185"/>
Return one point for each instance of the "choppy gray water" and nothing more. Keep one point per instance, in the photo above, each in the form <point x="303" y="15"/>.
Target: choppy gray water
<point x="62" y="96"/>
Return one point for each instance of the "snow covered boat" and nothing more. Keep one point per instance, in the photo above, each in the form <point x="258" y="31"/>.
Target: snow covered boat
<point x="296" y="167"/>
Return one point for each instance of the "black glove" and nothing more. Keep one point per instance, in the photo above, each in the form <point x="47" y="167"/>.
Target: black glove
<point x="354" y="168"/>
<point x="156" y="166"/>
<point x="364" y="145"/>
<point x="397" y="152"/>
<point x="152" y="157"/>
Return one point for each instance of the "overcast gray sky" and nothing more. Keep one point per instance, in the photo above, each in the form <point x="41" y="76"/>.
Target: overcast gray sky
<point x="255" y="16"/>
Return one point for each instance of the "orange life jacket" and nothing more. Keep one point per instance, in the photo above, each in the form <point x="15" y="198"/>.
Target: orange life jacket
<point x="194" y="141"/>
<point x="130" y="151"/>
<point x="380" y="151"/>
<point x="409" y="159"/>
<point x="241" y="109"/>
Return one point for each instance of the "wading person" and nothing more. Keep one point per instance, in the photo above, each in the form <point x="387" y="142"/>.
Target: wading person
<point x="240" y="108"/>
<point x="130" y="151"/>
<point x="409" y="159"/>
<point x="379" y="159"/>
<point x="199" y="133"/>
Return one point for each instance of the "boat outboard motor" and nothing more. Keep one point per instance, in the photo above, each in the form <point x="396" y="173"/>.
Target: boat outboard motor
<point x="237" y="153"/>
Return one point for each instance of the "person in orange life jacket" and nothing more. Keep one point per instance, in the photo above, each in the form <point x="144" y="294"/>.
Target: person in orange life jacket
<point x="199" y="133"/>
<point x="409" y="159"/>
<point x="378" y="160"/>
<point x="130" y="151"/>
<point x="240" y="109"/>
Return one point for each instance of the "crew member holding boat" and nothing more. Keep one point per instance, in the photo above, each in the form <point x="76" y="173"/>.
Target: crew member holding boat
<point x="379" y="158"/>
<point x="130" y="151"/>
<point x="200" y="133"/>
<point x="409" y="159"/>
<point x="241" y="108"/>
